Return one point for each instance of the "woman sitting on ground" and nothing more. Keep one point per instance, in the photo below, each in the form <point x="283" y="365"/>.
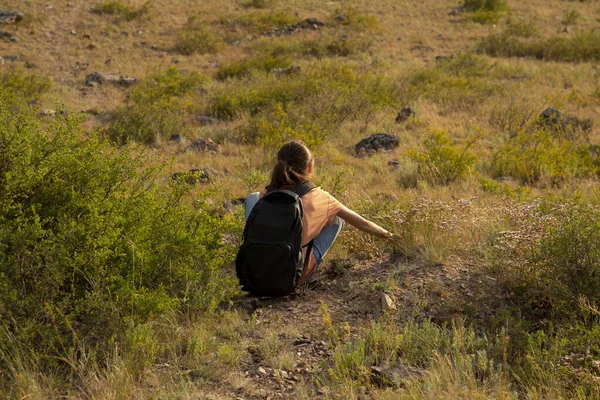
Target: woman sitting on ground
<point x="324" y="215"/>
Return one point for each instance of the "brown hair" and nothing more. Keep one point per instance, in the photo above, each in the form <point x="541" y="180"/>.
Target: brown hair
<point x="293" y="160"/>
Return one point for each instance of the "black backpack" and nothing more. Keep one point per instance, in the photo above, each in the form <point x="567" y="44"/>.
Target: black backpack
<point x="270" y="261"/>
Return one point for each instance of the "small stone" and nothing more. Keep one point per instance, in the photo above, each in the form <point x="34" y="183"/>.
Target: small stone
<point x="286" y="71"/>
<point x="47" y="113"/>
<point x="73" y="32"/>
<point x="206" y="120"/>
<point x="10" y="17"/>
<point x="177" y="138"/>
<point x="200" y="145"/>
<point x="387" y="303"/>
<point x="394" y="164"/>
<point x="404" y="115"/>
<point x="262" y="371"/>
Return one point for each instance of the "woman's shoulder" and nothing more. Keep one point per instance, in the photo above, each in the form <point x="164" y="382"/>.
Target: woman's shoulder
<point x="320" y="193"/>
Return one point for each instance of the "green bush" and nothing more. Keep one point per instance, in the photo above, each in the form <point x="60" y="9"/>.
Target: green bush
<point x="535" y="153"/>
<point x="485" y="5"/>
<point x="29" y="86"/>
<point x="90" y="240"/>
<point x="584" y="46"/>
<point x="328" y="91"/>
<point x="157" y="108"/>
<point x="566" y="265"/>
<point x="260" y="22"/>
<point x="521" y="29"/>
<point x="120" y="9"/>
<point x="457" y="83"/>
<point x="260" y="4"/>
<point x="246" y="67"/>
<point x="322" y="46"/>
<point x="350" y="17"/>
<point x="441" y="162"/>
<point x="196" y="38"/>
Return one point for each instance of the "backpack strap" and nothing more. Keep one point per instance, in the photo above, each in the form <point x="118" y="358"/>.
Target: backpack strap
<point x="302" y="188"/>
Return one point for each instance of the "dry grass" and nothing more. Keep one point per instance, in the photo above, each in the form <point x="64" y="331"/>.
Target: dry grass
<point x="397" y="42"/>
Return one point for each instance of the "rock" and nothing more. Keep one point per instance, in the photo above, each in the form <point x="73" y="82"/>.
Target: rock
<point x="286" y="71"/>
<point x="550" y="116"/>
<point x="10" y="17"/>
<point x="205" y="120"/>
<point x="394" y="376"/>
<point x="194" y="176"/>
<point x="301" y="342"/>
<point x="394" y="164"/>
<point x="47" y="113"/>
<point x="7" y="36"/>
<point x="455" y="12"/>
<point x="262" y="371"/>
<point x="377" y="142"/>
<point x="387" y="303"/>
<point x="177" y="138"/>
<point x="115" y="79"/>
<point x="404" y="114"/>
<point x="200" y="145"/>
<point x="312" y="23"/>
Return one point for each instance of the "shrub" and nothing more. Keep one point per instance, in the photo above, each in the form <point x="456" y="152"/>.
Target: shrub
<point x="261" y="22"/>
<point x="457" y="83"/>
<point x="196" y="38"/>
<point x="261" y="4"/>
<point x="441" y="162"/>
<point x="89" y="239"/>
<point x="584" y="46"/>
<point x="273" y="129"/>
<point x="321" y="46"/>
<point x="29" y="86"/>
<point x="327" y="92"/>
<point x="486" y="5"/>
<point x="120" y="9"/>
<point x="521" y="29"/>
<point x="350" y="17"/>
<point x="535" y="153"/>
<point x="246" y="67"/>
<point x="158" y="106"/>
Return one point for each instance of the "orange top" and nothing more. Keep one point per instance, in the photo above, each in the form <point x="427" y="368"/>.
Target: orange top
<point x="320" y="208"/>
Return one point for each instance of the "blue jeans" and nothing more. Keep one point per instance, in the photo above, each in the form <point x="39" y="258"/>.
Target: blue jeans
<point x="324" y="240"/>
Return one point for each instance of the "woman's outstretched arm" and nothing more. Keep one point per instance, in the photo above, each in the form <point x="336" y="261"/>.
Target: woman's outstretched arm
<point x="363" y="224"/>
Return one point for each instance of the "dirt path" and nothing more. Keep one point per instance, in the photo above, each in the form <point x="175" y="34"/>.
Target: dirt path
<point x="352" y="295"/>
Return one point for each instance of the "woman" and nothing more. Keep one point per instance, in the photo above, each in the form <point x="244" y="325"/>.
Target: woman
<point x="324" y="216"/>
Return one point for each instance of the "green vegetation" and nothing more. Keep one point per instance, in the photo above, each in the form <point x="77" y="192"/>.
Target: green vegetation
<point x="458" y="83"/>
<point x="260" y="22"/>
<point x="122" y="10"/>
<point x="485" y="11"/>
<point x="157" y="108"/>
<point x="116" y="265"/>
<point x="441" y="162"/>
<point x="30" y="86"/>
<point x="584" y="46"/>
<point x="91" y="243"/>
<point x="533" y="154"/>
<point x="196" y="38"/>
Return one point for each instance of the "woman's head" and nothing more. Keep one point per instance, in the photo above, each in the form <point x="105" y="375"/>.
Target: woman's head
<point x="294" y="165"/>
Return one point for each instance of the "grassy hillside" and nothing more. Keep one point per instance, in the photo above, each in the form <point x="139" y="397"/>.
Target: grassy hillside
<point x="129" y="131"/>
